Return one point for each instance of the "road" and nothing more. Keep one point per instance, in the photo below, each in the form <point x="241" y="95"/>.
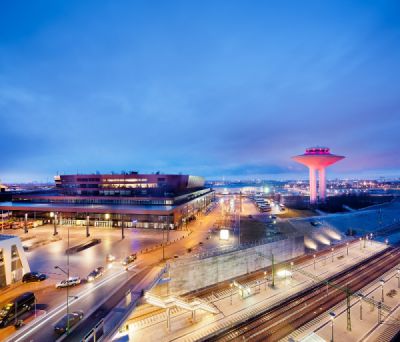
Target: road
<point x="279" y="321"/>
<point x="91" y="294"/>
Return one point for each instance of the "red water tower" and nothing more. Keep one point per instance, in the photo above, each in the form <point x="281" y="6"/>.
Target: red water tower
<point x="317" y="159"/>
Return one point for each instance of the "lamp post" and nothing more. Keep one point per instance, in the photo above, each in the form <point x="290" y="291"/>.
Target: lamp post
<point x="347" y="246"/>
<point x="314" y="260"/>
<point x="332" y="253"/>
<point x="54" y="216"/>
<point x="332" y="316"/>
<point x="360" y="244"/>
<point x="231" y="285"/>
<point x="382" y="282"/>
<point x="87" y="226"/>
<point x="398" y="278"/>
<point x="361" y="299"/>
<point x="265" y="277"/>
<point x="26" y="223"/>
<point x="379" y="312"/>
<point x="291" y="268"/>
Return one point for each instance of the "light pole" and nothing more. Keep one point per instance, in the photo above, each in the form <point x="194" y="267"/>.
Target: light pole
<point x="26" y="223"/>
<point x="360" y="244"/>
<point x="347" y="245"/>
<point x="87" y="226"/>
<point x="382" y="282"/>
<point x="332" y="316"/>
<point x="265" y="277"/>
<point x="379" y="312"/>
<point x="2" y="221"/>
<point x="361" y="299"/>
<point x="54" y="217"/>
<point x="332" y="253"/>
<point x="67" y="274"/>
<point x="314" y="260"/>
<point x="398" y="278"/>
<point x="291" y="268"/>
<point x="231" y="285"/>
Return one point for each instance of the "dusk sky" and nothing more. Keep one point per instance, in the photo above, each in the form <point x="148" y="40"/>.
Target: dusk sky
<point x="215" y="88"/>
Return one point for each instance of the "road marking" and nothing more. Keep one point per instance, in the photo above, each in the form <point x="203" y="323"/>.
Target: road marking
<point x="17" y="337"/>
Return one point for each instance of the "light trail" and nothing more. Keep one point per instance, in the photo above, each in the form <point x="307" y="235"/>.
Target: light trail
<point x="21" y="335"/>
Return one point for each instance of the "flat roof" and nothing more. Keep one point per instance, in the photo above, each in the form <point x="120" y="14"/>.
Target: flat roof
<point x="88" y="208"/>
<point x="6" y="237"/>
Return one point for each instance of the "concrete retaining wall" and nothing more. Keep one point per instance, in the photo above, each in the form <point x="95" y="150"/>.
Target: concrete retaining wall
<point x="190" y="275"/>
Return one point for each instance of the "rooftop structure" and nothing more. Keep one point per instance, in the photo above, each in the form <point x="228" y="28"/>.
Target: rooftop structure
<point x="317" y="159"/>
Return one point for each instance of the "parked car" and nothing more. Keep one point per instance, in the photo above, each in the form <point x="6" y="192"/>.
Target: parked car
<point x="33" y="276"/>
<point x="72" y="318"/>
<point x="15" y="308"/>
<point x="72" y="281"/>
<point x="129" y="259"/>
<point x="97" y="272"/>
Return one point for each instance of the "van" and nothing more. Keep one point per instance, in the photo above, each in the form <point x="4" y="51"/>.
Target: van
<point x="15" y="308"/>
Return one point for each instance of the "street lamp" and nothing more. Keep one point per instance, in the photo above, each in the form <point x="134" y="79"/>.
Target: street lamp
<point x="361" y="296"/>
<point x="68" y="296"/>
<point x="291" y="268"/>
<point x="314" y="260"/>
<point x="332" y="253"/>
<point x="347" y="245"/>
<point x="382" y="282"/>
<point x="398" y="278"/>
<point x="26" y="223"/>
<point x="231" y="285"/>
<point x="265" y="277"/>
<point x="360" y="243"/>
<point x="332" y="316"/>
<point x="387" y="241"/>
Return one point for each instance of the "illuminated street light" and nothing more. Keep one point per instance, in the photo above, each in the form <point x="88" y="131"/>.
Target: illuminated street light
<point x="107" y="216"/>
<point x="314" y="260"/>
<point x="332" y="253"/>
<point x="360" y="243"/>
<point x="382" y="282"/>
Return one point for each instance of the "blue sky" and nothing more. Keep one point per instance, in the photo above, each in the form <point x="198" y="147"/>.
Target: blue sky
<point x="215" y="88"/>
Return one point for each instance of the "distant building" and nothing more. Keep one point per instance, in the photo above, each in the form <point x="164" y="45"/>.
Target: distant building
<point x="113" y="200"/>
<point x="13" y="262"/>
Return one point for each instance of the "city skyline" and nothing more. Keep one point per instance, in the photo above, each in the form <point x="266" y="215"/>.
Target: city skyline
<point x="219" y="90"/>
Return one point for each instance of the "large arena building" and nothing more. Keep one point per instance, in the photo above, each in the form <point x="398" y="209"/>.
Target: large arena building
<point x="114" y="200"/>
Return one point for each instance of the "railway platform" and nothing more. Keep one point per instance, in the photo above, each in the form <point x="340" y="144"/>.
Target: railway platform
<point x="235" y="308"/>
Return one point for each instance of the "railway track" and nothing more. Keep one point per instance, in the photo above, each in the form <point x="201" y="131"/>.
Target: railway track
<point x="279" y="321"/>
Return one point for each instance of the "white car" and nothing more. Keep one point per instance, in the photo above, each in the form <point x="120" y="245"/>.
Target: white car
<point x="72" y="281"/>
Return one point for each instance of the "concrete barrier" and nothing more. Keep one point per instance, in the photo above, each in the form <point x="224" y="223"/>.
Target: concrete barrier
<point x="193" y="274"/>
